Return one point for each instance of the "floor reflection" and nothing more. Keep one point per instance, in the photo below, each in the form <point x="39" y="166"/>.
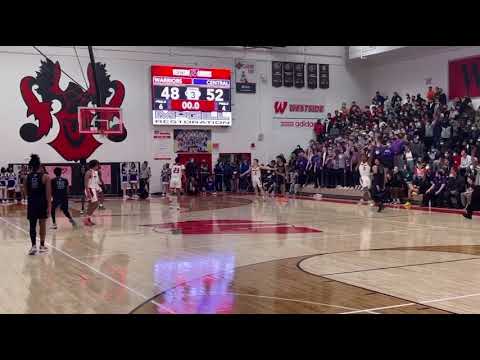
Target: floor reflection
<point x="207" y="294"/>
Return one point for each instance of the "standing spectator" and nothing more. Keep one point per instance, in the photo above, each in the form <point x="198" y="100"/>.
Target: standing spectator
<point x="301" y="168"/>
<point x="316" y="162"/>
<point x="244" y="171"/>
<point x="191" y="171"/>
<point x="379" y="99"/>
<point x="342" y="166"/>
<point x="418" y="148"/>
<point x="446" y="133"/>
<point x="235" y="176"/>
<point x="165" y="176"/>
<point x="319" y="130"/>
<point x="398" y="147"/>
<point x="442" y="98"/>
<point x="219" y="173"/>
<point x="409" y="158"/>
<point x="474" y="204"/>
<point x="227" y="176"/>
<point x="145" y="175"/>
<point x="204" y="174"/>
<point x="354" y="164"/>
<point x="428" y="139"/>
<point x="396" y="100"/>
<point x="430" y="94"/>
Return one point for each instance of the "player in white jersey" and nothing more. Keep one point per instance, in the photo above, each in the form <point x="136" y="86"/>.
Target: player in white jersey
<point x="256" y="172"/>
<point x="176" y="177"/>
<point x="92" y="188"/>
<point x="365" y="171"/>
<point x="176" y="183"/>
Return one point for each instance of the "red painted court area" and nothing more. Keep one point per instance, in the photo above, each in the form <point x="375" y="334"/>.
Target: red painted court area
<point x="206" y="227"/>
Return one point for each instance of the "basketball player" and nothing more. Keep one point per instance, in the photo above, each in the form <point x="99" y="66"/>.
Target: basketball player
<point x="92" y="188"/>
<point x="39" y="193"/>
<point x="256" y="171"/>
<point x="176" y="177"/>
<point x="83" y="171"/>
<point x="176" y="180"/>
<point x="133" y="179"/>
<point x="281" y="172"/>
<point x="3" y="185"/>
<point x="101" y="192"/>
<point x="60" y="197"/>
<point x="365" y="178"/>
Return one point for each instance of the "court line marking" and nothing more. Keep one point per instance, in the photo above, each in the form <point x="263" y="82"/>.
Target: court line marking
<point x="426" y="302"/>
<point x="283" y="299"/>
<point x="379" y="308"/>
<point x="422" y="302"/>
<point x="395" y="267"/>
<point x="295" y="300"/>
<point x="90" y="267"/>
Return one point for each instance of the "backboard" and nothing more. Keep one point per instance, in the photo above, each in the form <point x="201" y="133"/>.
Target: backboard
<point x="100" y="120"/>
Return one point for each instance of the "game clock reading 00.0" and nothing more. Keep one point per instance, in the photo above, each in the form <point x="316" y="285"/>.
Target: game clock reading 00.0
<point x="191" y="96"/>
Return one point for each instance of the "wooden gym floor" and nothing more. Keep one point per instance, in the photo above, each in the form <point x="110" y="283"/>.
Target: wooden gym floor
<point x="236" y="254"/>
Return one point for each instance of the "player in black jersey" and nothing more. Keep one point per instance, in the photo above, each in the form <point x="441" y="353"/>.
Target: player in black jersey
<point x="281" y="172"/>
<point x="60" y="197"/>
<point x="39" y="192"/>
<point x="83" y="170"/>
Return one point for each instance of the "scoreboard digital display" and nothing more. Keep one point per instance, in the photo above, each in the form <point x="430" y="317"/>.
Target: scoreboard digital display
<point x="191" y="96"/>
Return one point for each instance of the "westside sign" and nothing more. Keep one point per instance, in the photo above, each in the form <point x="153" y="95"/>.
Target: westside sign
<point x="296" y="110"/>
<point x="281" y="106"/>
<point x="296" y="113"/>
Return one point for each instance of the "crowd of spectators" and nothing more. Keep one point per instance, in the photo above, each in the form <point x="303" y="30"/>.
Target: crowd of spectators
<point x="425" y="147"/>
<point x="421" y="146"/>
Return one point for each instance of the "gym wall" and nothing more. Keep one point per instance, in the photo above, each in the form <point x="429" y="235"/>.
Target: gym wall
<point x="252" y="113"/>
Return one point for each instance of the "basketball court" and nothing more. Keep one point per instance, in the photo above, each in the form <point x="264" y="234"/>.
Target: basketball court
<point x="211" y="119"/>
<point x="236" y="254"/>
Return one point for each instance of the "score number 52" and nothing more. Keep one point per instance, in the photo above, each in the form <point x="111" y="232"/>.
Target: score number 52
<point x="173" y="93"/>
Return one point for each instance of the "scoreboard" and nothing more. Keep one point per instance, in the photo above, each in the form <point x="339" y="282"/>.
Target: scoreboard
<point x="191" y="96"/>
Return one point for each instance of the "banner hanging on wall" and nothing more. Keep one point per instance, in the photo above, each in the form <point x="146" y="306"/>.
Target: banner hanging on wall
<point x="277" y="74"/>
<point x="192" y="141"/>
<point x="245" y="77"/>
<point x="312" y="74"/>
<point x="464" y="77"/>
<point x="163" y="145"/>
<point x="324" y="75"/>
<point x="299" y="75"/>
<point x="288" y="74"/>
<point x="297" y="113"/>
